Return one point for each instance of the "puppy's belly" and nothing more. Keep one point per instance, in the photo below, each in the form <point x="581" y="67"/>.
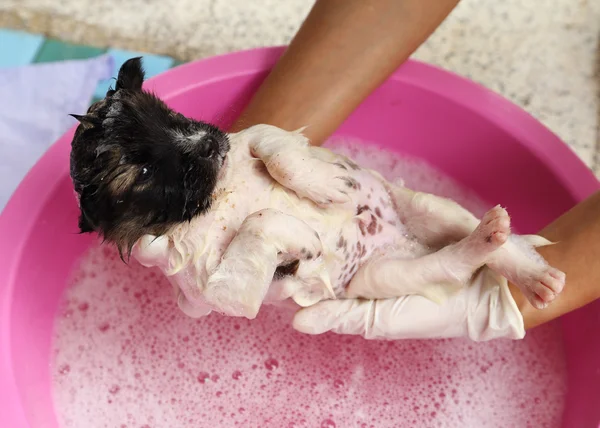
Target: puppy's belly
<point x="353" y="233"/>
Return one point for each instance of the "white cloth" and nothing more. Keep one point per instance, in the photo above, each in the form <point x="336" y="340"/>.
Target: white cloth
<point x="36" y="101"/>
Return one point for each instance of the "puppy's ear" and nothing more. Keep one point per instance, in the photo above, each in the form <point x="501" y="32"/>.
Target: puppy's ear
<point x="85" y="223"/>
<point x="87" y="121"/>
<point x="131" y="75"/>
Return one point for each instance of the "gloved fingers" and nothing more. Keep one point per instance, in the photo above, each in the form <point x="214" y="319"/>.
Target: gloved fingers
<point x="346" y="316"/>
<point x="151" y="250"/>
<point x="195" y="310"/>
<point x="537" y="240"/>
<point x="405" y="317"/>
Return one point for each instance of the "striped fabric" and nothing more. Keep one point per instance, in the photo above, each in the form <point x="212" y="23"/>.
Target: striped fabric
<point x="18" y="48"/>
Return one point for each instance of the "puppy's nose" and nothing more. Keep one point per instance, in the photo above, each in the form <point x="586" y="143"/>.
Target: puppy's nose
<point x="207" y="146"/>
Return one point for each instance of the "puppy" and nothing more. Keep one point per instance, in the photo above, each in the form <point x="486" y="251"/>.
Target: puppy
<point x="235" y="220"/>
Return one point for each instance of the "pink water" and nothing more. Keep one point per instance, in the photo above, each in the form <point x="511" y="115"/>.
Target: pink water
<point x="126" y="357"/>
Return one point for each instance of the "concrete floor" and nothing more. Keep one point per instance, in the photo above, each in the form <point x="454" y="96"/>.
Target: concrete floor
<point x="544" y="55"/>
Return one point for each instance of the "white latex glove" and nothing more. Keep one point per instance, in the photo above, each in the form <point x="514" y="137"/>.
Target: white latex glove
<point x="186" y="279"/>
<point x="482" y="311"/>
<point x="153" y="251"/>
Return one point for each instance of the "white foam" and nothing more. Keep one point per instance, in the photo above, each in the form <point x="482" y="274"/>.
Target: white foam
<point x="126" y="357"/>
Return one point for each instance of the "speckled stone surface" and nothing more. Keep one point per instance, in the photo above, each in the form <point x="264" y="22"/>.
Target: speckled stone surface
<point x="544" y="54"/>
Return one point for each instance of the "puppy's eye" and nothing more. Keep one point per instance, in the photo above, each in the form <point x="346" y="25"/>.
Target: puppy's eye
<point x="144" y="174"/>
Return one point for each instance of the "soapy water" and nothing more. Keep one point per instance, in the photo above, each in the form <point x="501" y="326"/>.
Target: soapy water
<point x="125" y="356"/>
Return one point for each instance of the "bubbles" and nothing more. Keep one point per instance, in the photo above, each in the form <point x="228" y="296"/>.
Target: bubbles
<point x="271" y="364"/>
<point x="131" y="345"/>
<point x="202" y="376"/>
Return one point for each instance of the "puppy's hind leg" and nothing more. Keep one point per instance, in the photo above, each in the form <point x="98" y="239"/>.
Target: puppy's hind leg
<point x="267" y="239"/>
<point x="436" y="275"/>
<point x="438" y="221"/>
<point x="434" y="220"/>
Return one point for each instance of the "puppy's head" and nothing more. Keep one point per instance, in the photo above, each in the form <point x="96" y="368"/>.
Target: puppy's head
<point x="139" y="167"/>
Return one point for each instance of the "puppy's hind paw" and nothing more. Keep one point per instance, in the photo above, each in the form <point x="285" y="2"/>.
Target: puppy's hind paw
<point x="543" y="287"/>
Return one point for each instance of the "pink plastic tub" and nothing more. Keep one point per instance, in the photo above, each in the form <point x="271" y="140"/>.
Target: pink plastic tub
<point x="470" y="133"/>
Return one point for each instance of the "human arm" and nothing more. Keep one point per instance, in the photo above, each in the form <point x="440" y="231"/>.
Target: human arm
<point x="343" y="51"/>
<point x="576" y="253"/>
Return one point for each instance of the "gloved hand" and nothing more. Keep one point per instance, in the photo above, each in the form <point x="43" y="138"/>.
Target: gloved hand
<point x="483" y="310"/>
<point x="153" y="251"/>
<point x="188" y="277"/>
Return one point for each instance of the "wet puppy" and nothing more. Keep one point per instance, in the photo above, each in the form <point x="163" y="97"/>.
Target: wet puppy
<point x="235" y="220"/>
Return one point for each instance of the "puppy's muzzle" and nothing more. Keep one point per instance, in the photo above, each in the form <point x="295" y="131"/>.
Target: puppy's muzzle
<point x="207" y="147"/>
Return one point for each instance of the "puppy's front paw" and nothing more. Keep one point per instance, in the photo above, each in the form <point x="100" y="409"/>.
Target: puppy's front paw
<point x="314" y="175"/>
<point x="335" y="190"/>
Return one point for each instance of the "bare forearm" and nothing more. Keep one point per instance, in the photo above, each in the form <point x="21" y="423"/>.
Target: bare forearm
<point x="576" y="252"/>
<point x="342" y="52"/>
